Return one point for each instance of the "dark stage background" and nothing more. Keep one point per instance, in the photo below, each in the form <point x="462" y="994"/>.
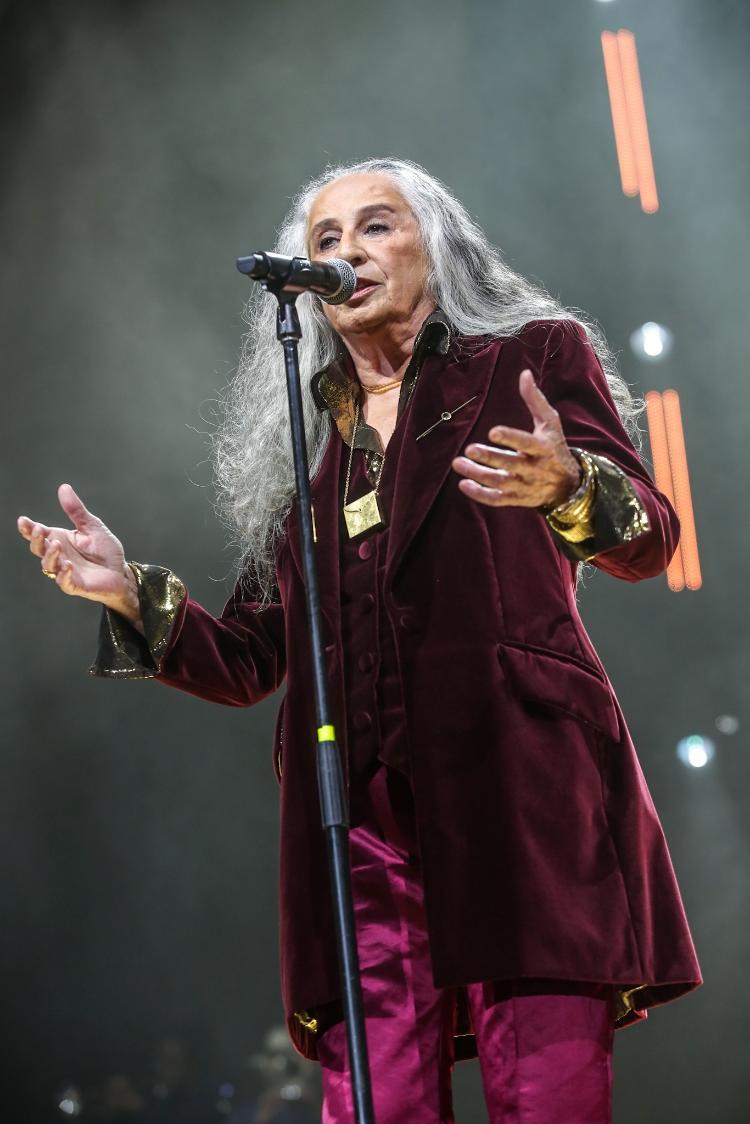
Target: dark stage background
<point x="144" y="146"/>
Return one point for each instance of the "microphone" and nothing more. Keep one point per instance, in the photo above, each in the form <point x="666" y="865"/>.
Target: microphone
<point x="333" y="281"/>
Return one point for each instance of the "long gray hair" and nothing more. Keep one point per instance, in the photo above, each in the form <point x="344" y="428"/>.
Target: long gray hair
<point x="480" y="295"/>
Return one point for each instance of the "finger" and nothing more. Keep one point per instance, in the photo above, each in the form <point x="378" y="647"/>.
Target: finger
<point x="539" y="408"/>
<point x="64" y="578"/>
<point x="517" y="464"/>
<point x="519" y="439"/>
<point x="51" y="556"/>
<point x="490" y="497"/>
<point x="25" y="526"/>
<point x="38" y="539"/>
<point x="75" y="509"/>
<point x="490" y="477"/>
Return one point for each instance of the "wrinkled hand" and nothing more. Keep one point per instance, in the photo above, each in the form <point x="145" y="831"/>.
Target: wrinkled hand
<point x="536" y="469"/>
<point x="86" y="562"/>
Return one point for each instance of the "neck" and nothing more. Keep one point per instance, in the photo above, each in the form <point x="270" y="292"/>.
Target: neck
<point x="383" y="355"/>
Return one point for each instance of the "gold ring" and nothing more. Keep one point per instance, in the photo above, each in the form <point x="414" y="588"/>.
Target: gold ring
<point x="49" y="574"/>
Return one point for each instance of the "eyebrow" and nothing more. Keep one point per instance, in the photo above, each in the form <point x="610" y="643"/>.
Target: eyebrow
<point x="362" y="213"/>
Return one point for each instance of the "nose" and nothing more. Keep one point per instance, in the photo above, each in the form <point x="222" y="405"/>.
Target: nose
<point x="351" y="249"/>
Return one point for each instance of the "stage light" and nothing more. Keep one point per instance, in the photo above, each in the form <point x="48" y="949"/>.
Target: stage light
<point x="727" y="724"/>
<point x="291" y="1091"/>
<point x="669" y="457"/>
<point x="652" y="342"/>
<point x="628" y="107"/>
<point x="69" y="1101"/>
<point x="695" y="751"/>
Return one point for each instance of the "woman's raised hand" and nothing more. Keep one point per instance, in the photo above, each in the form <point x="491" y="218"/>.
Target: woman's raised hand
<point x="85" y="562"/>
<point x="532" y="469"/>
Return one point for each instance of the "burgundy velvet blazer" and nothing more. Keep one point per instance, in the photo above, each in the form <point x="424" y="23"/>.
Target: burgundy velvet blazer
<point x="542" y="853"/>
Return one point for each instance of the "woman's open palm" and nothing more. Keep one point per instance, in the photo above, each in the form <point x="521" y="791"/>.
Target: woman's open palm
<point x="87" y="561"/>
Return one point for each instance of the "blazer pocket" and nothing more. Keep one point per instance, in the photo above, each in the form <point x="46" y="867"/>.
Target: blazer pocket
<point x="557" y="680"/>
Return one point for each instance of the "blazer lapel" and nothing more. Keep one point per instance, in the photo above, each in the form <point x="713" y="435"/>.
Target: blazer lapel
<point x="425" y="462"/>
<point x="423" y="466"/>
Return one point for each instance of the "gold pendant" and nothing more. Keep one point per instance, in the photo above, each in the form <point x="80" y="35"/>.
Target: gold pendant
<point x="363" y="514"/>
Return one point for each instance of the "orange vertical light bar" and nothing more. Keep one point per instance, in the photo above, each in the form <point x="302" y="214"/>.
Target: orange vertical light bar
<point x="619" y="108"/>
<point x="657" y="431"/>
<point x="636" y="110"/>
<point x="681" y="485"/>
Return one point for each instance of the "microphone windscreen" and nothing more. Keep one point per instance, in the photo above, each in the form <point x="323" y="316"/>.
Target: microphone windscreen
<point x="253" y="265"/>
<point x="348" y="281"/>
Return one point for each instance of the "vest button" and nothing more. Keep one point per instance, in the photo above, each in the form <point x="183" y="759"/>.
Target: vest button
<point x="365" y="661"/>
<point x="365" y="549"/>
<point x="367" y="603"/>
<point x="362" y="721"/>
<point x="407" y="622"/>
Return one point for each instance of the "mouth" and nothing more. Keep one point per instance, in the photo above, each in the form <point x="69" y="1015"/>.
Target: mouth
<point x="362" y="290"/>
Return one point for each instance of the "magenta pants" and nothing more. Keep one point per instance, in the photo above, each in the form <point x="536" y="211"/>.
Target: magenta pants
<point x="545" y="1047"/>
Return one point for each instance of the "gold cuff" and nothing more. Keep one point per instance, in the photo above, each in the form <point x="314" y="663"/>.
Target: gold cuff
<point x="573" y="519"/>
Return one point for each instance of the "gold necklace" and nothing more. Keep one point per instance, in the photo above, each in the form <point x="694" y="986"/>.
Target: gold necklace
<point x="365" y="513"/>
<point x="381" y="389"/>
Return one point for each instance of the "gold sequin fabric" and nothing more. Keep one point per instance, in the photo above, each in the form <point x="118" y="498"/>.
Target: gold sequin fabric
<point x="614" y="515"/>
<point x="627" y="514"/>
<point x="123" y="653"/>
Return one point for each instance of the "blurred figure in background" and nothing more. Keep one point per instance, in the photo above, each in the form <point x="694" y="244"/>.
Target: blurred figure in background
<point x="286" y="1085"/>
<point x="179" y="1095"/>
<point x="117" y="1099"/>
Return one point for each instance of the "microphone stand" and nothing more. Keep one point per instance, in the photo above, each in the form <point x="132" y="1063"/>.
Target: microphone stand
<point x="333" y="807"/>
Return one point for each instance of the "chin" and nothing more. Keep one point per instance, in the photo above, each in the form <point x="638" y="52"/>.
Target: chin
<point x="362" y="319"/>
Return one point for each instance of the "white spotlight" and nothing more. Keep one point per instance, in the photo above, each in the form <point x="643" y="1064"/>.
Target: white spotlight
<point x="727" y="724"/>
<point x="695" y="751"/>
<point x="70" y="1102"/>
<point x="652" y="342"/>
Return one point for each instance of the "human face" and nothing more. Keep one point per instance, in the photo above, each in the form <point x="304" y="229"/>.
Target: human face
<point x="364" y="219"/>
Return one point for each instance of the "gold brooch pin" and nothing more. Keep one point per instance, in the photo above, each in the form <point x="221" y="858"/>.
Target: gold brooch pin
<point x="446" y="416"/>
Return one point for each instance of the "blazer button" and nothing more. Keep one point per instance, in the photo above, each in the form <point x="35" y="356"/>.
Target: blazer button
<point x="362" y="721"/>
<point x="365" y="549"/>
<point x="367" y="603"/>
<point x="365" y="661"/>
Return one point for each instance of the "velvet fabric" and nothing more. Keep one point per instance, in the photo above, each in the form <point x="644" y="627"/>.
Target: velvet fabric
<point x="541" y="851"/>
<point x="545" y="1048"/>
<point x="375" y="711"/>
